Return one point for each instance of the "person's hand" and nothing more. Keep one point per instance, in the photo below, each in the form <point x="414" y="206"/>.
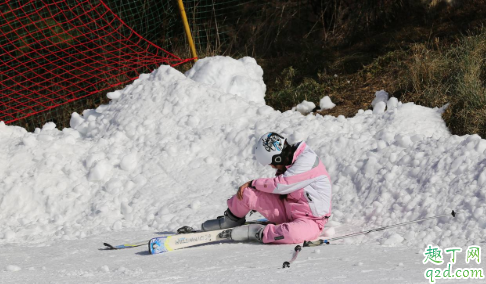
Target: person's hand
<point x="239" y="194"/>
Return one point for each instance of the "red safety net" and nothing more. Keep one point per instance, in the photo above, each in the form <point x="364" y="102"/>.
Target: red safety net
<point x="58" y="51"/>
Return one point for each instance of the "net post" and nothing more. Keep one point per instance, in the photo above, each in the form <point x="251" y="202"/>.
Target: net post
<point x="187" y="29"/>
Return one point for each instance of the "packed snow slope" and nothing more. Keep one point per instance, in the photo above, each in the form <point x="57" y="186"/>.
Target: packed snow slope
<point x="169" y="149"/>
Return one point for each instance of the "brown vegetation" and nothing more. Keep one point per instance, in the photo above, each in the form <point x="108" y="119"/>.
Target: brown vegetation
<point x="430" y="52"/>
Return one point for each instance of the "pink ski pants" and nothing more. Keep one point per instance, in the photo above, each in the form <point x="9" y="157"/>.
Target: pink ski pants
<point x="287" y="230"/>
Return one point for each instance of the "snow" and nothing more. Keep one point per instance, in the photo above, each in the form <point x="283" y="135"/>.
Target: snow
<point x="220" y="263"/>
<point x="305" y="107"/>
<point x="170" y="148"/>
<point x="326" y="103"/>
<point x="380" y="96"/>
<point x="12" y="268"/>
<point x="243" y="77"/>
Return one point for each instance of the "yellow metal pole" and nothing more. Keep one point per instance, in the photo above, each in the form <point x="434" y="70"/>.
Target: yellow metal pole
<point x="188" y="30"/>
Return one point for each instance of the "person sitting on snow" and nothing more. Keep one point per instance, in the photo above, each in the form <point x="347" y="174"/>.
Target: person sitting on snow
<point x="297" y="200"/>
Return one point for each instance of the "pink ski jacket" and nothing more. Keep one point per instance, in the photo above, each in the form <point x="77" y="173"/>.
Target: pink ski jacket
<point x="307" y="183"/>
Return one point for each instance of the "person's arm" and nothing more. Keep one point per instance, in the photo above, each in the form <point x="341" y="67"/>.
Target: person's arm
<point x="242" y="188"/>
<point x="283" y="184"/>
<point x="303" y="172"/>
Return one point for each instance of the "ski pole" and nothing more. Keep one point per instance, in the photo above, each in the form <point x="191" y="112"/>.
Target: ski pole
<point x="297" y="249"/>
<point x="319" y="242"/>
<point x="326" y="241"/>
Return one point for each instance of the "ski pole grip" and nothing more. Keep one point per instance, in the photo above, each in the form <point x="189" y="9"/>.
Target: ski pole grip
<point x="298" y="248"/>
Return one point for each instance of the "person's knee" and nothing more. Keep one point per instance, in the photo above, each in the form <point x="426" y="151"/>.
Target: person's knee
<point x="248" y="201"/>
<point x="289" y="233"/>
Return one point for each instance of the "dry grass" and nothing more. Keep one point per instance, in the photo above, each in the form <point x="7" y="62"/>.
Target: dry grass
<point x="454" y="74"/>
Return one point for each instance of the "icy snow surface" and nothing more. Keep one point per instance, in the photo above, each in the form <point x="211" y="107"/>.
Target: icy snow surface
<point x="169" y="149"/>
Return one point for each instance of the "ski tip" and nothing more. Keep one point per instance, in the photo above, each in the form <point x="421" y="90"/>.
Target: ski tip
<point x="108" y="246"/>
<point x="453" y="213"/>
<point x="157" y="245"/>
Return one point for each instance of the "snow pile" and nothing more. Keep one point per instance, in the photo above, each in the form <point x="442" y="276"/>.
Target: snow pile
<point x="326" y="103"/>
<point x="380" y="97"/>
<point x="379" y="103"/>
<point x="305" y="107"/>
<point x="243" y="77"/>
<point x="169" y="150"/>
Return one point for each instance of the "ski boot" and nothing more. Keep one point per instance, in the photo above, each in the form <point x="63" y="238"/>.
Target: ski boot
<point x="247" y="233"/>
<point x="223" y="222"/>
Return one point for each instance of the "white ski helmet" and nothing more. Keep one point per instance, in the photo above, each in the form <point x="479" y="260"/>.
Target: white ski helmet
<point x="269" y="149"/>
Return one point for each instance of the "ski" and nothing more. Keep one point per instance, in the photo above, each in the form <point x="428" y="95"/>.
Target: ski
<point x="169" y="243"/>
<point x="181" y="231"/>
<point x="123" y="246"/>
<point x="188" y="237"/>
